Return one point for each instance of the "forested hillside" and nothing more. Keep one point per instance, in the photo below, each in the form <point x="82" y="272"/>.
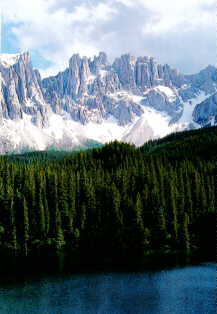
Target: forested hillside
<point x="113" y="200"/>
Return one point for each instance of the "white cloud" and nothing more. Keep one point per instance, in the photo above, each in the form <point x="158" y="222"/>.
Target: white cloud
<point x="128" y="3"/>
<point x="55" y="33"/>
<point x="167" y="14"/>
<point x="170" y="30"/>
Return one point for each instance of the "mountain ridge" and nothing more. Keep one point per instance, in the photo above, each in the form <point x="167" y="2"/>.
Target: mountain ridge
<point x="132" y="99"/>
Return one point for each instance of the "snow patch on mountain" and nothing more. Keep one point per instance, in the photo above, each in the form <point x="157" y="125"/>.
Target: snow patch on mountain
<point x="167" y="91"/>
<point x="106" y="131"/>
<point x="125" y="95"/>
<point x="135" y="98"/>
<point x="158" y="121"/>
<point x="132" y="100"/>
<point x="17" y="134"/>
<point x="212" y="122"/>
<point x="91" y="78"/>
<point x="62" y="132"/>
<point x="8" y="60"/>
<point x="152" y="124"/>
<point x="103" y="73"/>
<point x="22" y="133"/>
<point x="139" y="133"/>
<point x="189" y="106"/>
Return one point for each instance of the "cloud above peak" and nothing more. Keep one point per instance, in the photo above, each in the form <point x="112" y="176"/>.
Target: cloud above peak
<point x="182" y="33"/>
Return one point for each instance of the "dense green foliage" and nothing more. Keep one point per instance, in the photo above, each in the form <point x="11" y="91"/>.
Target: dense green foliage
<point x="52" y="154"/>
<point x="113" y="200"/>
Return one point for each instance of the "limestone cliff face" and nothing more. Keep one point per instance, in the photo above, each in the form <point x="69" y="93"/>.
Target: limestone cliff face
<point x="92" y="90"/>
<point x="128" y="92"/>
<point x="205" y="113"/>
<point x="21" y="91"/>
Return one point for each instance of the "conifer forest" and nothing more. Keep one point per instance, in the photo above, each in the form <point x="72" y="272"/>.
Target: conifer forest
<point x="112" y="200"/>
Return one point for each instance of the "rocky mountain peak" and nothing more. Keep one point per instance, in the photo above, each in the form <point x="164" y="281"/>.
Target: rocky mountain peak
<point x="102" y="58"/>
<point x="21" y="89"/>
<point x="98" y="63"/>
<point x="25" y="58"/>
<point x="105" y="99"/>
<point x="75" y="61"/>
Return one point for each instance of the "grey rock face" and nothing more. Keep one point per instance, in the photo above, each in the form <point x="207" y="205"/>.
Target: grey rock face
<point x="99" y="63"/>
<point x="125" y="68"/>
<point x="89" y="84"/>
<point x="21" y="92"/>
<point x="92" y="90"/>
<point x="205" y="80"/>
<point x="83" y="87"/>
<point x="205" y="113"/>
<point x="160" y="102"/>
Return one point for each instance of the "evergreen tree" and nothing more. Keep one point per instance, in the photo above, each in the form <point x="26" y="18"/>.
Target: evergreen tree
<point x="111" y="201"/>
<point x="25" y="226"/>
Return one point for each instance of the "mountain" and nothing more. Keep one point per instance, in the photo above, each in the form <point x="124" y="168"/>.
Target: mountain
<point x="131" y="99"/>
<point x="206" y="112"/>
<point x="21" y="91"/>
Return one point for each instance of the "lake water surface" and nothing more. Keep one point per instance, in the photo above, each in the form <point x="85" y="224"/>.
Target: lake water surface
<point x="184" y="290"/>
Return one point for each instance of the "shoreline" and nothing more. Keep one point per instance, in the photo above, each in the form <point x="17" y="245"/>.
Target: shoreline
<point x="17" y="268"/>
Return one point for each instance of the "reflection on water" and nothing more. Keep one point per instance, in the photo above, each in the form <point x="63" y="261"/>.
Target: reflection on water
<point x="182" y="290"/>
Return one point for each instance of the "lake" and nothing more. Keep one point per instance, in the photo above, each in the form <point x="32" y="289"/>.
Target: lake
<point x="180" y="290"/>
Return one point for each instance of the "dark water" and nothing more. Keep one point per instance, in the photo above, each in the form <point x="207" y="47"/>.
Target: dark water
<point x="186" y="290"/>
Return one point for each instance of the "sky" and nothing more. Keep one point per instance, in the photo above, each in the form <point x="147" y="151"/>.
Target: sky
<point x="181" y="33"/>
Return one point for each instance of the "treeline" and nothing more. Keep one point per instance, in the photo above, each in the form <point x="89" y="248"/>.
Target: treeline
<point x="113" y="200"/>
